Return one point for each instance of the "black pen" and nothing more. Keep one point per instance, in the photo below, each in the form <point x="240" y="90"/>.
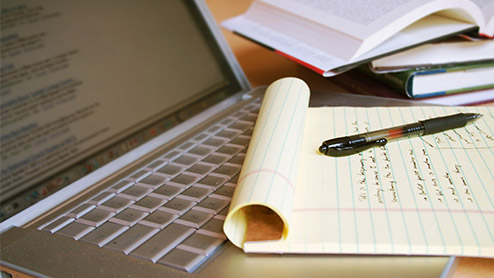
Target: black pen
<point x="348" y="145"/>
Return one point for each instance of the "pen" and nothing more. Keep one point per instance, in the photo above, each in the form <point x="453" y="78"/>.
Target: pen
<point x="348" y="145"/>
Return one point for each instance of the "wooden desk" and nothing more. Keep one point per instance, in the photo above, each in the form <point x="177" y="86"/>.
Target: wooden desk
<point x="262" y="66"/>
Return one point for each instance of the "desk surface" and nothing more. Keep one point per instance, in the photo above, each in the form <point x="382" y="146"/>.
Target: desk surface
<point x="262" y="67"/>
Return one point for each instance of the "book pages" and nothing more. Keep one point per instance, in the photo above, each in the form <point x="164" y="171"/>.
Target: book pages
<point x="429" y="195"/>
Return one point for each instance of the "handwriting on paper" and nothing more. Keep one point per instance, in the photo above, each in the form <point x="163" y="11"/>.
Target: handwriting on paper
<point x="436" y="181"/>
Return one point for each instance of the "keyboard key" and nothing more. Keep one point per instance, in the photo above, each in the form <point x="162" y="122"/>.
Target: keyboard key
<point x="101" y="198"/>
<point x="195" y="193"/>
<point x="201" y="151"/>
<point x="184" y="180"/>
<point x="171" y="155"/>
<point x="58" y="224"/>
<point x="187" y="159"/>
<point x="194" y="218"/>
<point x="228" y="133"/>
<point x="202" y="168"/>
<point x="171" y="170"/>
<point x="239" y="114"/>
<point x="238" y="159"/>
<point x="131" y="238"/>
<point x="128" y="217"/>
<point x="216" y="159"/>
<point x="225" y="192"/>
<point x="251" y="118"/>
<point x="116" y="204"/>
<point x="80" y="210"/>
<point x="148" y="203"/>
<point x="155" y="165"/>
<point x="211" y="205"/>
<point x="95" y="217"/>
<point x="201" y="137"/>
<point x="201" y="244"/>
<point x="183" y="260"/>
<point x="135" y="192"/>
<point x="227" y="121"/>
<point x="153" y="181"/>
<point x="159" y="219"/>
<point x="228" y="170"/>
<point x="167" y="191"/>
<point x="75" y="230"/>
<point x="104" y="233"/>
<point x="120" y="186"/>
<point x="186" y="146"/>
<point x="213" y="181"/>
<point x="177" y="206"/>
<point x="162" y="242"/>
<point x="241" y="141"/>
<point x="214" y="129"/>
<point x="240" y="126"/>
<point x="214" y="228"/>
<point x="230" y="149"/>
<point x="136" y="177"/>
<point x="215" y="142"/>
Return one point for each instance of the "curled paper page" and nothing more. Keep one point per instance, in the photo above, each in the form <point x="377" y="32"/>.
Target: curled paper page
<point x="267" y="182"/>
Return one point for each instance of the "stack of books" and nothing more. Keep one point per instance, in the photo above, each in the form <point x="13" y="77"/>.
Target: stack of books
<point x="397" y="49"/>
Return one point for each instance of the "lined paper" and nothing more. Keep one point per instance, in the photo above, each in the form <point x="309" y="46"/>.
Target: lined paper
<point x="429" y="195"/>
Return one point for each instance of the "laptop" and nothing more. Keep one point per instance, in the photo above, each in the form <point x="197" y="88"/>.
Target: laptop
<point x="123" y="130"/>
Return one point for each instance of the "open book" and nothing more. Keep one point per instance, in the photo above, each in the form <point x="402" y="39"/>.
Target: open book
<point x="429" y="195"/>
<point x="333" y="36"/>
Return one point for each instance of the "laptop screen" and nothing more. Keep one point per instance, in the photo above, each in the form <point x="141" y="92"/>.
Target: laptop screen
<point x="83" y="82"/>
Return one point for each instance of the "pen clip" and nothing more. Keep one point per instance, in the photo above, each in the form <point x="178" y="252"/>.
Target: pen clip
<point x="349" y="149"/>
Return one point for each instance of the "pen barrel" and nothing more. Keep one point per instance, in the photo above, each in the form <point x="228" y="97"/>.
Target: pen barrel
<point x="396" y="132"/>
<point x="444" y="123"/>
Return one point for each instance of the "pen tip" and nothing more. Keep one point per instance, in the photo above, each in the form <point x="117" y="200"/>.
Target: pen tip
<point x="323" y="149"/>
<point x="473" y="116"/>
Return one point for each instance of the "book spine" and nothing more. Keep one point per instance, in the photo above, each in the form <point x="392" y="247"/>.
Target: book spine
<point x="409" y="76"/>
<point x="396" y="82"/>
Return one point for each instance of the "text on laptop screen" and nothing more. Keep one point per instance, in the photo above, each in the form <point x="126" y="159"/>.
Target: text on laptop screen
<point x="79" y="76"/>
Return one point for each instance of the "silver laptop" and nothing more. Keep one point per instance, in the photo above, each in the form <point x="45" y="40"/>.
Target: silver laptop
<point x="124" y="125"/>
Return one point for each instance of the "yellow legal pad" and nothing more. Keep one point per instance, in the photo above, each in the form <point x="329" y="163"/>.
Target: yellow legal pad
<point x="429" y="195"/>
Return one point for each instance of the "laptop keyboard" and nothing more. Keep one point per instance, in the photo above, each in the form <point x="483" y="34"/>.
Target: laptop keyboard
<point x="171" y="211"/>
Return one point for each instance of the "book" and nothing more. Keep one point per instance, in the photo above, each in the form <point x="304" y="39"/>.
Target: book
<point x="426" y="195"/>
<point x="331" y="37"/>
<point x="439" y="80"/>
<point x="465" y="99"/>
<point x="357" y="82"/>
<point x="436" y="54"/>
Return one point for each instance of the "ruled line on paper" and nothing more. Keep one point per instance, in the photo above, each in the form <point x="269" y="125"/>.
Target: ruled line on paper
<point x="417" y="210"/>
